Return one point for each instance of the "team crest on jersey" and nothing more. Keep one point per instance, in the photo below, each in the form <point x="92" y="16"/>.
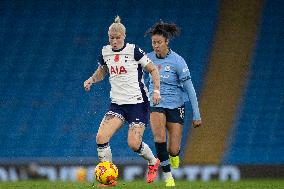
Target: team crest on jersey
<point x="167" y="68"/>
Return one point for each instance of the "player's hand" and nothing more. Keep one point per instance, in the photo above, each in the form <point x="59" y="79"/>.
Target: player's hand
<point x="87" y="84"/>
<point x="156" y="98"/>
<point x="196" y="123"/>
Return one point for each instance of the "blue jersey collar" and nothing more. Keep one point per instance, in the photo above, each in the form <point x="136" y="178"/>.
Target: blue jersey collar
<point x="170" y="51"/>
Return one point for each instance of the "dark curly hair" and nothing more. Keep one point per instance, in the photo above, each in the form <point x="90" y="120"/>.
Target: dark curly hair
<point x="167" y="30"/>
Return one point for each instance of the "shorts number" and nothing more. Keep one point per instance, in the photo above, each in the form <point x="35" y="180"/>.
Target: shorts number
<point x="181" y="112"/>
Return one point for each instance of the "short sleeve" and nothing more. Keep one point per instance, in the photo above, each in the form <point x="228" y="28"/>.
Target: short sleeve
<point x="140" y="56"/>
<point x="182" y="70"/>
<point x="138" y="53"/>
<point x="101" y="61"/>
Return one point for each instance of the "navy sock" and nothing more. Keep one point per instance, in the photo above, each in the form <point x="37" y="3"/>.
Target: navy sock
<point x="103" y="145"/>
<point x="163" y="155"/>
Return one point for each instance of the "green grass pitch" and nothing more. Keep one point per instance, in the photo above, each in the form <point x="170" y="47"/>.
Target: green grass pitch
<point x="245" y="184"/>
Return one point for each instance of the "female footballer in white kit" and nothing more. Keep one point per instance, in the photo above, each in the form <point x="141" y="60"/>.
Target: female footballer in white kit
<point x="129" y="96"/>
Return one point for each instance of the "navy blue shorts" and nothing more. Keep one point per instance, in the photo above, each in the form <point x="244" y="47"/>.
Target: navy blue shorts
<point x="132" y="113"/>
<point x="172" y="115"/>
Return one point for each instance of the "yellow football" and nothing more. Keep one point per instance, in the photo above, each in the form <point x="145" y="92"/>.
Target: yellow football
<point x="106" y="172"/>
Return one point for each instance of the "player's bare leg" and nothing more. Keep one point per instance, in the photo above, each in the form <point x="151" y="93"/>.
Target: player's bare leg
<point x="158" y="126"/>
<point x="109" y="125"/>
<point x="135" y="135"/>
<point x="174" y="138"/>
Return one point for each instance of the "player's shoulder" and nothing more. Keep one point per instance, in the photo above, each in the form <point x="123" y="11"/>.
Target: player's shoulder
<point x="130" y="45"/>
<point x="177" y="57"/>
<point x="106" y="48"/>
<point x="151" y="55"/>
<point x="137" y="48"/>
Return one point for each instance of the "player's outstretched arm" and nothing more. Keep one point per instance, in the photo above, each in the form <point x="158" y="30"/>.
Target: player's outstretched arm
<point x="189" y="88"/>
<point x="151" y="68"/>
<point x="96" y="77"/>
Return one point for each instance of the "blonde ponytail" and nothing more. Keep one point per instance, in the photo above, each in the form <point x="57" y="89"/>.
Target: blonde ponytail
<point x="117" y="26"/>
<point x="117" y="19"/>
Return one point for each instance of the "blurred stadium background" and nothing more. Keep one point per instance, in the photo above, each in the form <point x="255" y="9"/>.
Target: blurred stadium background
<point x="48" y="123"/>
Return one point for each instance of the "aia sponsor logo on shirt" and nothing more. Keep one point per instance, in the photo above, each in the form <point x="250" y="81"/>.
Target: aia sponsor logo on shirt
<point x="117" y="70"/>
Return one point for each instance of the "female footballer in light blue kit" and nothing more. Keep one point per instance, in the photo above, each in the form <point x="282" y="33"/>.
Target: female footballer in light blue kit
<point x="175" y="89"/>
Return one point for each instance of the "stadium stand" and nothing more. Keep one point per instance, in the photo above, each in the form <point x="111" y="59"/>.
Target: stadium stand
<point x="257" y="137"/>
<point x="48" y="48"/>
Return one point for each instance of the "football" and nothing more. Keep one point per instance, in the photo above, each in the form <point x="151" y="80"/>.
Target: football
<point x="106" y="172"/>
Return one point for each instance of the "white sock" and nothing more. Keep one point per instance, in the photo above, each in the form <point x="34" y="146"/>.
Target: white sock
<point x="147" y="154"/>
<point x="105" y="154"/>
<point x="167" y="175"/>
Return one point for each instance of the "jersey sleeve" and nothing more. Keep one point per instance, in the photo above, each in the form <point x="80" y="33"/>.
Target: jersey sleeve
<point x="100" y="60"/>
<point x="140" y="56"/>
<point x="182" y="70"/>
<point x="189" y="88"/>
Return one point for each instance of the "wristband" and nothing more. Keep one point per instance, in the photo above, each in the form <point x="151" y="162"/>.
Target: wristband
<point x="92" y="79"/>
<point x="157" y="91"/>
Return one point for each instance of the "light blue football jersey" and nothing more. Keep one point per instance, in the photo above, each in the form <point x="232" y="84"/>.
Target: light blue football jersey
<point x="173" y="70"/>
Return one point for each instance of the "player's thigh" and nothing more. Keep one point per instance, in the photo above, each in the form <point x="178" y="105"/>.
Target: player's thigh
<point x="109" y="125"/>
<point x="158" y="126"/>
<point x="135" y="135"/>
<point x="174" y="136"/>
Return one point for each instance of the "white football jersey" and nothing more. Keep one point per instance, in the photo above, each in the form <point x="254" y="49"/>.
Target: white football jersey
<point x="126" y="75"/>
